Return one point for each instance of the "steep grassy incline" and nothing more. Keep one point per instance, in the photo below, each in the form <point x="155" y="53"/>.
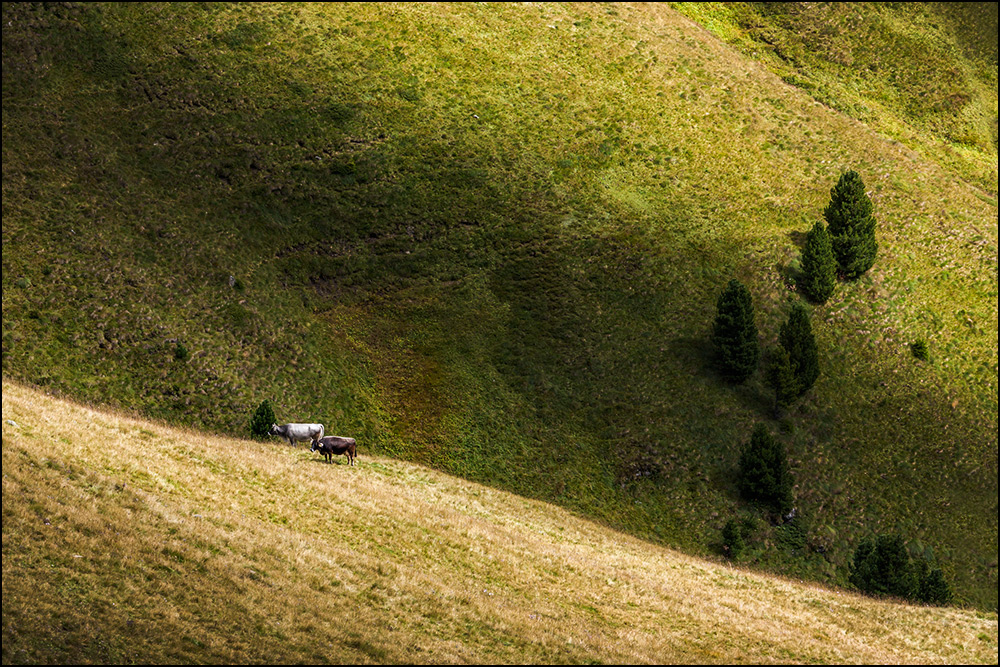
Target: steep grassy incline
<point x="924" y="74"/>
<point x="126" y="541"/>
<point x="490" y="239"/>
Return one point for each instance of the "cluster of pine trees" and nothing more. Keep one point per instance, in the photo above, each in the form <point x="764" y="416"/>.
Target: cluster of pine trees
<point x="846" y="246"/>
<point x="792" y="366"/>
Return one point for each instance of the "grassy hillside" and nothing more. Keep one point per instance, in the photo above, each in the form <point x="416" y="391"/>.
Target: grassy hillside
<point x="490" y="239"/>
<point x="924" y="74"/>
<point x="128" y="541"/>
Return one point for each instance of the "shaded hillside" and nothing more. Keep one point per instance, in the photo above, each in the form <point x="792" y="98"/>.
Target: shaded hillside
<point x="490" y="239"/>
<point x="133" y="542"/>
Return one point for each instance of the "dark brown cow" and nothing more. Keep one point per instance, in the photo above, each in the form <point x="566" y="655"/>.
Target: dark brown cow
<point x="334" y="444"/>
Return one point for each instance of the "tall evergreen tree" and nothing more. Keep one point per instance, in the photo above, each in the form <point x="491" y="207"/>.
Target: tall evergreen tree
<point x="851" y="225"/>
<point x="819" y="268"/>
<point x="735" y="333"/>
<point x="796" y="337"/>
<point x="764" y="474"/>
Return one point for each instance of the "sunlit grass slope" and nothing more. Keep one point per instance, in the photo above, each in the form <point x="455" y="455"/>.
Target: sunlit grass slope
<point x="128" y="541"/>
<point x="489" y="239"/>
<point x="922" y="73"/>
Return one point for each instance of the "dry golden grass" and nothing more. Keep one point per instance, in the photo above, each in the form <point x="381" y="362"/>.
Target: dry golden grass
<point x="127" y="541"/>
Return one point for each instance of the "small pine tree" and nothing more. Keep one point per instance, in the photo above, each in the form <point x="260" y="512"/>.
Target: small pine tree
<point x="796" y="337"/>
<point x="733" y="542"/>
<point x="780" y="375"/>
<point x="881" y="566"/>
<point x="851" y="225"/>
<point x="261" y="420"/>
<point x="919" y="350"/>
<point x="735" y="333"/>
<point x="934" y="589"/>
<point x="819" y="268"/>
<point x="764" y="474"/>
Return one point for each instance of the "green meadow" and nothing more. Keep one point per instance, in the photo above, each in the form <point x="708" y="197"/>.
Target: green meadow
<point x="489" y="240"/>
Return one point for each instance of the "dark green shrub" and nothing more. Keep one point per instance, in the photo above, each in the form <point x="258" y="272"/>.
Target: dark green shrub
<point x="819" y="268"/>
<point x="181" y="352"/>
<point x="735" y="333"/>
<point x="882" y="566"/>
<point x="796" y="337"/>
<point x="764" y="475"/>
<point x="851" y="226"/>
<point x="733" y="541"/>
<point x="933" y="588"/>
<point x="919" y="350"/>
<point x="792" y="535"/>
<point x="261" y="420"/>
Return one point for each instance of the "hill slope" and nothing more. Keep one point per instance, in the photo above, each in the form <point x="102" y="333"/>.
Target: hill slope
<point x="922" y="73"/>
<point x="490" y="239"/>
<point x="127" y="541"/>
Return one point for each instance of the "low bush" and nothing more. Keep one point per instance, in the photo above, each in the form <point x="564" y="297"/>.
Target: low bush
<point x="261" y="420"/>
<point x="882" y="566"/>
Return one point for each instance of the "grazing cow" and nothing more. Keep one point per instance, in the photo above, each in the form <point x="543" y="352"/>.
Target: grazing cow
<point x="334" y="444"/>
<point x="297" y="432"/>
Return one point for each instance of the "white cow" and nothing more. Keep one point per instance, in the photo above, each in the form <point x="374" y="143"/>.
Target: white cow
<point x="297" y="432"/>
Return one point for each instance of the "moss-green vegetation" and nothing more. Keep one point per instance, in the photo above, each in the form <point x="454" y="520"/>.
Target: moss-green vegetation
<point x="491" y="239"/>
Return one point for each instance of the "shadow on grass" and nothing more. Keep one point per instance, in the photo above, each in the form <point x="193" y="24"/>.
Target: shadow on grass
<point x="798" y="238"/>
<point x="752" y="394"/>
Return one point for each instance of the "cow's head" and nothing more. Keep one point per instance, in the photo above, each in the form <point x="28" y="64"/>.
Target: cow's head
<point x="314" y="446"/>
<point x="274" y="430"/>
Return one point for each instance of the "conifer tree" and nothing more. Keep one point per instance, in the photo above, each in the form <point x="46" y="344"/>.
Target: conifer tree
<point x="261" y="420"/>
<point x="733" y="542"/>
<point x="934" y="589"/>
<point x="819" y="268"/>
<point x="881" y="566"/>
<point x="796" y="337"/>
<point x="851" y="225"/>
<point x="735" y="333"/>
<point x="764" y="474"/>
